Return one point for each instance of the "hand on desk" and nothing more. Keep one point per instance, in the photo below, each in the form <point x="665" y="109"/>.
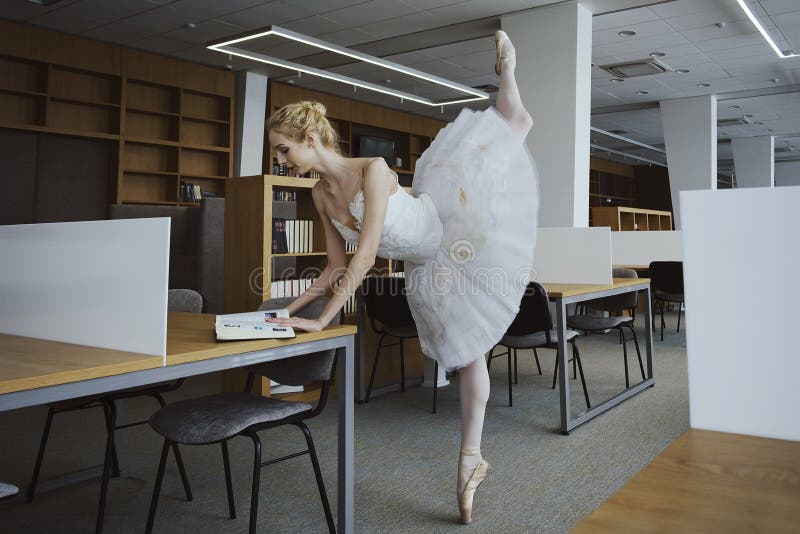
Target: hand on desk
<point x="298" y="323"/>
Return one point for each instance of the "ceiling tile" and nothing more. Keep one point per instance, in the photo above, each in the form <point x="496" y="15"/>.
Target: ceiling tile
<point x="706" y="33"/>
<point x="208" y="30"/>
<point x="622" y="18"/>
<point x="369" y="12"/>
<point x="406" y="24"/>
<point x="118" y="33"/>
<point x="688" y="7"/>
<point x="727" y="43"/>
<point x="729" y="13"/>
<point x="160" y="44"/>
<point x="348" y="37"/>
<point x="313" y="26"/>
<point x="775" y="7"/>
<point x="197" y="10"/>
<point x="645" y="30"/>
<point x="263" y="15"/>
<point x="21" y="10"/>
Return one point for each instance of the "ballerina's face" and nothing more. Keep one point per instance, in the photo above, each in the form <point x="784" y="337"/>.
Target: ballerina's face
<point x="297" y="155"/>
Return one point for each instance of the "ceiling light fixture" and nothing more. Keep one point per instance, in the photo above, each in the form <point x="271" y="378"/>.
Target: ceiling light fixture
<point x="657" y="54"/>
<point x="616" y="80"/>
<point x="734" y="107"/>
<point x="703" y="85"/>
<point x="642" y="92"/>
<point x="226" y="46"/>
<point x="626" y="33"/>
<point x="682" y="71"/>
<point x="760" y="28"/>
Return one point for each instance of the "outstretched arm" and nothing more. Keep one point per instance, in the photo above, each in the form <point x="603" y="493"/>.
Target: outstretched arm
<point x="379" y="184"/>
<point x="337" y="258"/>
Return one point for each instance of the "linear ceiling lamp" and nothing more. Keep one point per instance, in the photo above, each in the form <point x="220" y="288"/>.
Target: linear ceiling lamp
<point x="226" y="46"/>
<point x="760" y="28"/>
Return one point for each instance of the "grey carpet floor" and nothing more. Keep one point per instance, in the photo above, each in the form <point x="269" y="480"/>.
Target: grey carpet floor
<point x="406" y="457"/>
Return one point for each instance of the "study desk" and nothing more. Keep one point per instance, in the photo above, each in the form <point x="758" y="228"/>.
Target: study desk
<point x="35" y="371"/>
<point x="711" y="482"/>
<point x="563" y="294"/>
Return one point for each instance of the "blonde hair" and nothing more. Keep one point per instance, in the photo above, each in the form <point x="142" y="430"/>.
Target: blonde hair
<point x="299" y="119"/>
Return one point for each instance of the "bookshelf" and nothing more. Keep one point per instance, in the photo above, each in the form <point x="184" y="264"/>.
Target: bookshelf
<point x="172" y="120"/>
<point x="631" y="219"/>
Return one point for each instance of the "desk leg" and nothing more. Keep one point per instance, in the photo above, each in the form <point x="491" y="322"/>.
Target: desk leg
<point x="563" y="369"/>
<point x="345" y="394"/>
<point x="648" y="328"/>
<point x="361" y="316"/>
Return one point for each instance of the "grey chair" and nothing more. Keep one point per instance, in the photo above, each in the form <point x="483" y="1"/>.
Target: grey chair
<point x="533" y="329"/>
<point x="666" y="281"/>
<point x="185" y="300"/>
<point x="220" y="417"/>
<point x="613" y="305"/>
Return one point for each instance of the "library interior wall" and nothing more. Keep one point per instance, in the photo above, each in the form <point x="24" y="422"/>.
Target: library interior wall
<point x="787" y="173"/>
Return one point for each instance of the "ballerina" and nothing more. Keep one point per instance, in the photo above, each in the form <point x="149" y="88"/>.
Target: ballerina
<point x="466" y="235"/>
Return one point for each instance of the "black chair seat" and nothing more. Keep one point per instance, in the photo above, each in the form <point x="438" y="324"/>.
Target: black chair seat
<point x="217" y="417"/>
<point x="401" y="331"/>
<point x="671" y="297"/>
<point x="535" y="340"/>
<point x="595" y="323"/>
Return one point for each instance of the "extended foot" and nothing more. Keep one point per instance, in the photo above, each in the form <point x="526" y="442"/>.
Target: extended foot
<point x="472" y="471"/>
<point x="506" y="55"/>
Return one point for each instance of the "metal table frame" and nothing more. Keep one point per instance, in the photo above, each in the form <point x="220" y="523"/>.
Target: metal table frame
<point x="567" y="421"/>
<point x="345" y="393"/>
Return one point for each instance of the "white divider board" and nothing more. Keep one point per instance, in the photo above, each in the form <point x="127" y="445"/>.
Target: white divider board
<point x="573" y="256"/>
<point x="640" y="248"/>
<point x="741" y="252"/>
<point x="96" y="283"/>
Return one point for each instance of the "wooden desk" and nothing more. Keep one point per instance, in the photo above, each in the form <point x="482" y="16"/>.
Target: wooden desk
<point x="563" y="294"/>
<point x="711" y="482"/>
<point x="34" y="371"/>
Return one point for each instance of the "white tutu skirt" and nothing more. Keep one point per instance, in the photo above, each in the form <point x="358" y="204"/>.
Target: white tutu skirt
<point x="484" y="184"/>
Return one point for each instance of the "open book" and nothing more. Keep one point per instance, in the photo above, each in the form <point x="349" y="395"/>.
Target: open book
<point x="252" y="325"/>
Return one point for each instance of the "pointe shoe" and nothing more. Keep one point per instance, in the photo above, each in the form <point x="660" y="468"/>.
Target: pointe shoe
<point x="479" y="474"/>
<point x="506" y="55"/>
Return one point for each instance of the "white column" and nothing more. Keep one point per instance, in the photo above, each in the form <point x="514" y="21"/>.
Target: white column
<point x="754" y="161"/>
<point x="554" y="55"/>
<point x="690" y="136"/>
<point x="251" y="102"/>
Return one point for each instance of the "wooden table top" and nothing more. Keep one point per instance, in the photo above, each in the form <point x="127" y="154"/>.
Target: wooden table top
<point x="570" y="290"/>
<point x="711" y="482"/>
<point x="28" y="363"/>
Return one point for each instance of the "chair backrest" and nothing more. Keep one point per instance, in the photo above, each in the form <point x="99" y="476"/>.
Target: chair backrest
<point x="385" y="300"/>
<point x="304" y="369"/>
<point x="534" y="313"/>
<point x="615" y="303"/>
<point x="667" y="276"/>
<point x="186" y="300"/>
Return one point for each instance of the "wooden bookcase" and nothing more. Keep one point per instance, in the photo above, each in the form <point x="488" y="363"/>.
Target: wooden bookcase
<point x="630" y="219"/>
<point x="351" y="119"/>
<point x="172" y="119"/>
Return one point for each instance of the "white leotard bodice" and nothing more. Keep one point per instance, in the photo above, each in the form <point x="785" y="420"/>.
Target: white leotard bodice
<point x="411" y="229"/>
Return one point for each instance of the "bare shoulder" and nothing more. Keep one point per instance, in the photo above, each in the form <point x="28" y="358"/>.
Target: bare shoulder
<point x="378" y="177"/>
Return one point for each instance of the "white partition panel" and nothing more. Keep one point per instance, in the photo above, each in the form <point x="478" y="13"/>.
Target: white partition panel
<point x="741" y="252"/>
<point x="96" y="283"/>
<point x="640" y="248"/>
<point x="573" y="256"/>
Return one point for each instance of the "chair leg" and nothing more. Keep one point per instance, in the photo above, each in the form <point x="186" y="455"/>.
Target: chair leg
<point x="157" y="488"/>
<point x="109" y="428"/>
<point x="509" y="377"/>
<point x="402" y="367"/>
<point x="662" y="320"/>
<point x="374" y="367"/>
<point x="107" y="466"/>
<point x="435" y="383"/>
<point x="576" y="355"/>
<point x="516" y="376"/>
<point x="536" y="357"/>
<point x="680" y="310"/>
<point x="638" y="352"/>
<point x="182" y="470"/>
<point x="318" y="474"/>
<point x="256" y="481"/>
<point x="555" y="372"/>
<point x="39" y="457"/>
<point x="625" y="356"/>
<point x="226" y="462"/>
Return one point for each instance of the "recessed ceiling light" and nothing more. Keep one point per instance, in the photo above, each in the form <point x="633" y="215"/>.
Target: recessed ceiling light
<point x="768" y="130"/>
<point x="720" y="24"/>
<point x="734" y="107"/>
<point x="616" y="80"/>
<point x="758" y="123"/>
<point x="722" y="134"/>
<point x="703" y="85"/>
<point x="657" y="54"/>
<point x="682" y="71"/>
<point x="626" y="33"/>
<point x="190" y="25"/>
<point x="774" y="80"/>
<point x="747" y="116"/>
<point x="642" y="92"/>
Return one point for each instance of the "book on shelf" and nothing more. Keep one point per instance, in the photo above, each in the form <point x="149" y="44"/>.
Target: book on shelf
<point x="350" y="247"/>
<point x="252" y="325"/>
<point x="192" y="192"/>
<point x="297" y="233"/>
<point x="290" y="287"/>
<point x="284" y="196"/>
<point x="279" y="244"/>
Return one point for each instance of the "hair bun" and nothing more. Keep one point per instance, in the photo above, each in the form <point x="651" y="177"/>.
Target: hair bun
<point x="315" y="106"/>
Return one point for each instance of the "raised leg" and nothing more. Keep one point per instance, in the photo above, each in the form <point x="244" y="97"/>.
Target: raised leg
<point x="509" y="103"/>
